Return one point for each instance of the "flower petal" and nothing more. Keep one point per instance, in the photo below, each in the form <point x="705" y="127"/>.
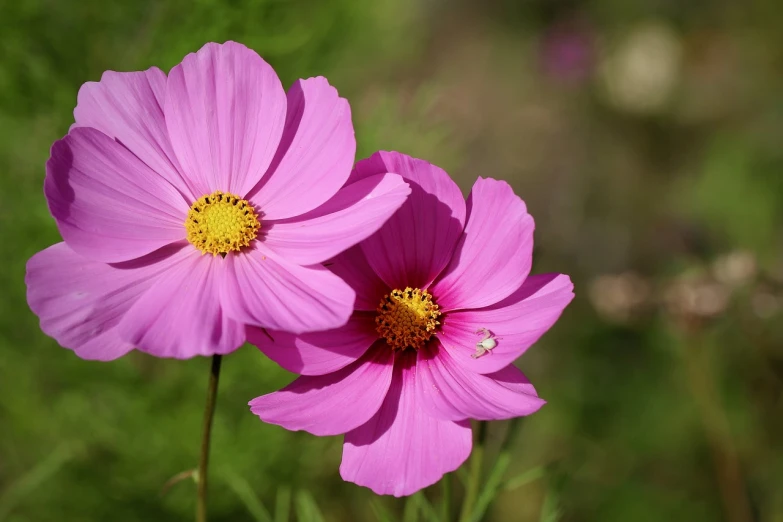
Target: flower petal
<point x="317" y="353"/>
<point x="353" y="214"/>
<point x="516" y="322"/>
<point x="494" y="254"/>
<point x="451" y="392"/>
<point x="80" y="302"/>
<point x="108" y="204"/>
<point x="316" y="152"/>
<point x="403" y="449"/>
<point x="128" y="106"/>
<point x="181" y="316"/>
<point x="261" y="289"/>
<point x="225" y="109"/>
<point x="417" y="242"/>
<point x="352" y="267"/>
<point x="330" y="404"/>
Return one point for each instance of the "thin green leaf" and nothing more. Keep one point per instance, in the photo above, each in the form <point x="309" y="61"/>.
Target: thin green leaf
<point x="463" y="476"/>
<point x="33" y="479"/>
<point x="380" y="511"/>
<point x="524" y="478"/>
<point x="244" y="491"/>
<point x="411" y="511"/>
<point x="306" y="508"/>
<point x="426" y="508"/>
<point x="445" y="500"/>
<point x="550" y="511"/>
<point x="491" y="487"/>
<point x="283" y="504"/>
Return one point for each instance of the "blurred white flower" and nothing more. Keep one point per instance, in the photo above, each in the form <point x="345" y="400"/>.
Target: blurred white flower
<point x="735" y="268"/>
<point x="617" y="297"/>
<point x="640" y="72"/>
<point x="696" y="296"/>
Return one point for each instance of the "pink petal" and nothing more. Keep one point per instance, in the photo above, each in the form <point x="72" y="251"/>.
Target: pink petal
<point x="517" y="322"/>
<point x="181" y="316"/>
<point x="451" y="392"/>
<point x="129" y="108"/>
<point x="353" y="214"/>
<point x="261" y="289"/>
<point x="403" y="449"/>
<point x="495" y="252"/>
<point x="108" y="204"/>
<point x="80" y="301"/>
<point x="317" y="353"/>
<point x="417" y="242"/>
<point x="352" y="267"/>
<point x="225" y="109"/>
<point x="315" y="155"/>
<point x="330" y="404"/>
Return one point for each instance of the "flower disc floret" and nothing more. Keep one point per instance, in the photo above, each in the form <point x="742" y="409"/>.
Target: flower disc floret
<point x="220" y="223"/>
<point x="407" y="318"/>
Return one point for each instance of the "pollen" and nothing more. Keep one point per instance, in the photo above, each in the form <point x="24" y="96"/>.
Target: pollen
<point x="407" y="318"/>
<point x="220" y="223"/>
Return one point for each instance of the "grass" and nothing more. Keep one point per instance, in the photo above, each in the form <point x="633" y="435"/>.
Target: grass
<point x="628" y="432"/>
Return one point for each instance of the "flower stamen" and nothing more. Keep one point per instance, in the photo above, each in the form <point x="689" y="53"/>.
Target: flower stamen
<point x="220" y="223"/>
<point x="407" y="318"/>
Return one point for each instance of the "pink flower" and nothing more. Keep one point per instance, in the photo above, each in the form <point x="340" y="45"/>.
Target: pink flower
<point x="214" y="159"/>
<point x="444" y="305"/>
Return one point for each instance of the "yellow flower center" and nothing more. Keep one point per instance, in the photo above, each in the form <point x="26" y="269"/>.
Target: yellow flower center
<point x="221" y="222"/>
<point x="407" y="318"/>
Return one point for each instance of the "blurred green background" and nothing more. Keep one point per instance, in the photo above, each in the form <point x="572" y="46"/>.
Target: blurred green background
<point x="647" y="140"/>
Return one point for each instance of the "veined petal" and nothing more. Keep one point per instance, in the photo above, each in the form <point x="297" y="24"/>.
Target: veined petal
<point x="451" y="392"/>
<point x="181" y="316"/>
<point x="353" y="214"/>
<point x="225" y="109"/>
<point x="80" y="302"/>
<point x="494" y="253"/>
<point x="315" y="155"/>
<point x="108" y="204"/>
<point x="416" y="243"/>
<point x="330" y="404"/>
<point x="128" y="106"/>
<point x="317" y="353"/>
<point x="516" y="322"/>
<point x="403" y="449"/>
<point x="261" y="289"/>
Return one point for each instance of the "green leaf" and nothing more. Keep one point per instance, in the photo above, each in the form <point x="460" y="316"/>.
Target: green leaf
<point x="735" y="197"/>
<point x="462" y="475"/>
<point x="550" y="511"/>
<point x="426" y="507"/>
<point x="491" y="487"/>
<point x="32" y="480"/>
<point x="411" y="511"/>
<point x="306" y="508"/>
<point x="283" y="504"/>
<point x="380" y="511"/>
<point x="524" y="478"/>
<point x="244" y="491"/>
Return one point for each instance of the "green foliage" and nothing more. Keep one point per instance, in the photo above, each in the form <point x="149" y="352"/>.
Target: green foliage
<point x="737" y="196"/>
<point x="626" y="435"/>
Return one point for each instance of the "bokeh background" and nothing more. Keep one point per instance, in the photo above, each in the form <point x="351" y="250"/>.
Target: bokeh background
<point x="647" y="140"/>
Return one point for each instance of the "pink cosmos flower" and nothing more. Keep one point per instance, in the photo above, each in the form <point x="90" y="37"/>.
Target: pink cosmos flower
<point x="193" y="204"/>
<point x="444" y="305"/>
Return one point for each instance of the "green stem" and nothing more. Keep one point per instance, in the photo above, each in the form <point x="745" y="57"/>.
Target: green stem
<point x="511" y="434"/>
<point x="474" y="480"/>
<point x="203" y="463"/>
<point x="445" y="506"/>
<point x="726" y="459"/>
<point x="491" y="486"/>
